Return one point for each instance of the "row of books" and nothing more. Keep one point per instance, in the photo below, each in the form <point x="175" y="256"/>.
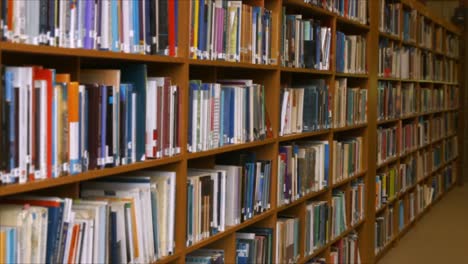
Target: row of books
<point x="347" y="158"/>
<point x="357" y="193"/>
<point x="230" y="31"/>
<point x="351" y="53"/>
<point x="305" y="108"/>
<point x="423" y="164"/>
<point x="145" y="27"/>
<point x="410" y="18"/>
<point x="452" y="45"/>
<point x="211" y="207"/>
<point x="450" y="70"/>
<point x="451" y="122"/>
<point x="120" y="219"/>
<point x="409" y="137"/>
<point x="408" y="173"/>
<point x="349" y="104"/>
<point x="389" y="21"/>
<point x="317" y="223"/>
<point x="449" y="174"/>
<point x="303" y="167"/>
<point x="54" y="126"/>
<point x="226" y="112"/>
<point x="388" y="100"/>
<point x="425" y="32"/>
<point x="254" y="245"/>
<point x="339" y="221"/>
<point x="287" y="239"/>
<point x="450" y="148"/>
<point x="388" y="139"/>
<point x="386" y="186"/>
<point x="425" y="193"/>
<point x="204" y="255"/>
<point x="384" y="229"/>
<point x="406" y="211"/>
<point x="346" y="250"/>
<point x="306" y="42"/>
<point x="438" y="38"/>
<point x="399" y="62"/>
<point x="396" y="180"/>
<point x="352" y="9"/>
<point x="396" y="100"/>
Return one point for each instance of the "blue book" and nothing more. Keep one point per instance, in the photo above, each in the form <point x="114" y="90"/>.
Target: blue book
<point x="115" y="26"/>
<point x="11" y="98"/>
<point x="232" y="113"/>
<point x="114" y="246"/>
<point x="136" y="26"/>
<point x="221" y="117"/>
<point x="201" y="26"/>
<point x="136" y="75"/>
<point x="242" y="252"/>
<point x="103" y="127"/>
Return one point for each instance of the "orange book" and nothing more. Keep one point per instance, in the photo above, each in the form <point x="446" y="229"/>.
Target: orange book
<point x="2" y="246"/>
<point x="73" y="127"/>
<point x="62" y="77"/>
<point x="73" y="243"/>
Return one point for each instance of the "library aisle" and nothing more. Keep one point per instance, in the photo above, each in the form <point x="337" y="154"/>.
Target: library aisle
<point x="441" y="236"/>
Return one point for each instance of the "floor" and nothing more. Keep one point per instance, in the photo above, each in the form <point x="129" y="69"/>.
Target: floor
<point x="440" y="237"/>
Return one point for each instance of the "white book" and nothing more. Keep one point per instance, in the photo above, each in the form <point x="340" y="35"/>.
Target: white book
<point x="195" y="113"/>
<point x="98" y="189"/>
<point x="172" y="120"/>
<point x="283" y="112"/>
<point x="151" y="126"/>
<point x="127" y="31"/>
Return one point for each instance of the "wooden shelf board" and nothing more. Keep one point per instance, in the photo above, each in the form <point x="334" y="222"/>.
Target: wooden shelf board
<point x="352" y="22"/>
<point x="229" y="230"/>
<point x="85" y="176"/>
<point x="349" y="179"/>
<point x="352" y="75"/>
<point x="390" y="36"/>
<point x="301" y="200"/>
<point x="409" y="43"/>
<point x="388" y="161"/>
<point x="230" y="64"/>
<point x="389" y="79"/>
<point x="408" y="80"/>
<point x="56" y="51"/>
<point x="228" y="148"/>
<point x="309" y="7"/>
<point x="404" y="117"/>
<point x="387" y="121"/>
<point x="331" y="242"/>
<point x="304" y="135"/>
<point x="306" y="70"/>
<point x="346" y="128"/>
<point x="408" y="152"/>
<point x="168" y="259"/>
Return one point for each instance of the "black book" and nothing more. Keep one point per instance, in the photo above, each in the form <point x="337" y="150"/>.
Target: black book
<point x="43" y="20"/>
<point x="163" y="26"/>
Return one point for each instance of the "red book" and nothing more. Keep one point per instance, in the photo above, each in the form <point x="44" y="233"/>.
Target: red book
<point x="74" y="238"/>
<point x="46" y="74"/>
<point x="172" y="23"/>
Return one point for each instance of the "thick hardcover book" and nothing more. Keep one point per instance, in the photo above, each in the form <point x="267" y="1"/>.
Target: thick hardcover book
<point x="93" y="124"/>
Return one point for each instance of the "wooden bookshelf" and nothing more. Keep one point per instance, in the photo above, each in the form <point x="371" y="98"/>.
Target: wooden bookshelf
<point x="182" y="69"/>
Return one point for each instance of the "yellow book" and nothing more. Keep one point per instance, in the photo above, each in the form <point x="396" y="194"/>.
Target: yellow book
<point x="2" y="246"/>
<point x="195" y="29"/>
